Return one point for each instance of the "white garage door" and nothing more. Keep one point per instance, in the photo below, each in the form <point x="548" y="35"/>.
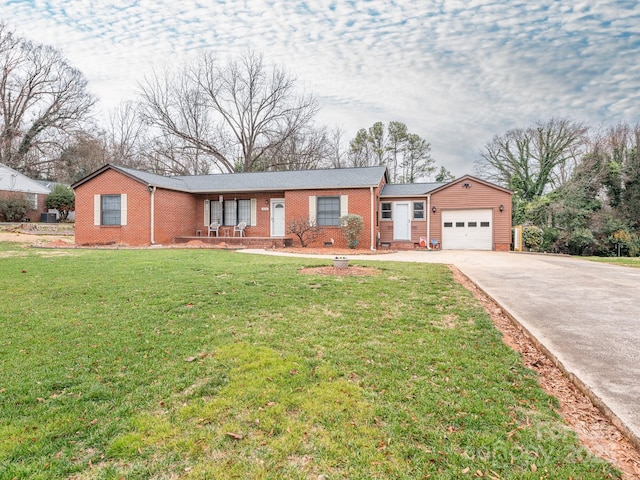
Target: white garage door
<point x="467" y="229"/>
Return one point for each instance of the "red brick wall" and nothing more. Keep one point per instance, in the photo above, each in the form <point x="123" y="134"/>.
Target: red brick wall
<point x="136" y="232"/>
<point x="478" y="195"/>
<point x="297" y="206"/>
<point x="175" y="215"/>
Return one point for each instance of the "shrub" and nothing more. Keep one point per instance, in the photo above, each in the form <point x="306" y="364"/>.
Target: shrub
<point x="532" y="237"/>
<point x="13" y="209"/>
<point x="352" y="226"/>
<point x="304" y="229"/>
<point x="580" y="241"/>
<point x="62" y="199"/>
<point x="625" y="243"/>
<point x="550" y="236"/>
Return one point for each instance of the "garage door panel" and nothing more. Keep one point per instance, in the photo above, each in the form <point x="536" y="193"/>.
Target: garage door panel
<point x="467" y="229"/>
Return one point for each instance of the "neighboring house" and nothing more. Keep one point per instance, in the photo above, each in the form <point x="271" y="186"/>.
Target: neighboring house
<point x="117" y="205"/>
<point x="13" y="184"/>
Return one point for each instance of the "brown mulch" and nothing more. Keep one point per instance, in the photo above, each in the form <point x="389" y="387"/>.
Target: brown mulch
<point x="595" y="431"/>
<point x="352" y="270"/>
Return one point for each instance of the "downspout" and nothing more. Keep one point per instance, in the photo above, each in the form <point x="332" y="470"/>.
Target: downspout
<point x="152" y="191"/>
<point x="428" y="221"/>
<point x="373" y="220"/>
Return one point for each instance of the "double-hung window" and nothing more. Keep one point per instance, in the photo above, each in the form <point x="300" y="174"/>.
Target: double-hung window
<point x="385" y="209"/>
<point x="418" y="210"/>
<point x="328" y="211"/>
<point x="231" y="212"/>
<point x="110" y="210"/>
<point x="244" y="211"/>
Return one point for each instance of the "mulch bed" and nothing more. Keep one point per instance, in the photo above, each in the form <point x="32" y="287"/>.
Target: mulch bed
<point x="341" y="272"/>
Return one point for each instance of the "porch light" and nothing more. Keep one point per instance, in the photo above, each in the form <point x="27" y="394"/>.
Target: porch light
<point x="433" y="209"/>
<point x="501" y="208"/>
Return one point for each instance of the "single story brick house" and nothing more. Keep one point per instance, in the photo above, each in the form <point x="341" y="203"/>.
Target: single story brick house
<point x="118" y="205"/>
<point x="15" y="185"/>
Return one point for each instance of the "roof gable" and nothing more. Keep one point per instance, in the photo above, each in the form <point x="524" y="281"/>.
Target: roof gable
<point x="464" y="178"/>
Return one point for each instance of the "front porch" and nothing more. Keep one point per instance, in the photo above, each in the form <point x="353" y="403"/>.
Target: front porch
<point x="239" y="242"/>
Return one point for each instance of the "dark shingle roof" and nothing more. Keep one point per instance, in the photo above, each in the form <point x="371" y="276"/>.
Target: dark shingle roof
<point x="409" y="189"/>
<point x="266" y="181"/>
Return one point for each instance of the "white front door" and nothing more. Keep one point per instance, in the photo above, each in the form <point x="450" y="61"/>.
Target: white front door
<point x="401" y="221"/>
<point x="277" y="217"/>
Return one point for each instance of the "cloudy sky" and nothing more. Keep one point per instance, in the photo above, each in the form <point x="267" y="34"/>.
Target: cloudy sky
<point x="456" y="72"/>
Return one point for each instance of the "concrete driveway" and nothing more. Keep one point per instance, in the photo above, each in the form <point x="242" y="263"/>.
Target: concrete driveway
<point x="586" y="314"/>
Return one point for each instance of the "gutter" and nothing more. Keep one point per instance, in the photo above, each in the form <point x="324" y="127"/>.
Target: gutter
<point x="152" y="199"/>
<point x="428" y="214"/>
<point x="373" y="221"/>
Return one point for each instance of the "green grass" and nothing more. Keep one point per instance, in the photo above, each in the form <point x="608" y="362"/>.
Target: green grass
<point x="203" y="364"/>
<point x="623" y="261"/>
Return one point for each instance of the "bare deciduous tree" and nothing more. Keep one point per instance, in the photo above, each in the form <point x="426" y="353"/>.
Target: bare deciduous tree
<point x="304" y="229"/>
<point x="43" y="101"/>
<point x="234" y="113"/>
<point x="531" y="161"/>
<point x="126" y="137"/>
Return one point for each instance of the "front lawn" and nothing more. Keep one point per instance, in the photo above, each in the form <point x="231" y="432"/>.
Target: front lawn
<point x="205" y="364"/>
<point x="624" y="261"/>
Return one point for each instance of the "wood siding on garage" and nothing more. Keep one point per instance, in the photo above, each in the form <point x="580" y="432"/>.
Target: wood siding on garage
<point x="469" y="193"/>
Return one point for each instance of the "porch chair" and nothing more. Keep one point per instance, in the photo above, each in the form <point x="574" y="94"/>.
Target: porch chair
<point x="214" y="227"/>
<point x="239" y="228"/>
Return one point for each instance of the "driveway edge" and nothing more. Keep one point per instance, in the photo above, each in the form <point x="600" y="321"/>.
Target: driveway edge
<point x="579" y="384"/>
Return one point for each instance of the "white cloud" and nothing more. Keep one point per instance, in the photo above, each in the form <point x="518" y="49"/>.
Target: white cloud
<point x="457" y="72"/>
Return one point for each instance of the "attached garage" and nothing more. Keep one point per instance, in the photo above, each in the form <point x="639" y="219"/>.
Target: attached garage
<point x="467" y="229"/>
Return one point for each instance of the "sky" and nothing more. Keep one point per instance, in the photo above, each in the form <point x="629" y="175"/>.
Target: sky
<point x="456" y="72"/>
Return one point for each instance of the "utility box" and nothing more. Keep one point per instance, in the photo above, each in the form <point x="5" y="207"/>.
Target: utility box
<point x="48" y="218"/>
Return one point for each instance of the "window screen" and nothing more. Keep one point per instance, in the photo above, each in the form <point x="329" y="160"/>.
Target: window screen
<point x="385" y="208"/>
<point x="230" y="212"/>
<point x="328" y="211"/>
<point x="110" y="210"/>
<point x="244" y="211"/>
<point x="418" y="210"/>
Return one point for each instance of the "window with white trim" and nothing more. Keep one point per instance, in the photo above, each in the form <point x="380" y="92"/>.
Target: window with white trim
<point x="244" y="211"/>
<point x="32" y="200"/>
<point x="110" y="210"/>
<point x="328" y="211"/>
<point x="385" y="209"/>
<point x="232" y="212"/>
<point x="418" y="210"/>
